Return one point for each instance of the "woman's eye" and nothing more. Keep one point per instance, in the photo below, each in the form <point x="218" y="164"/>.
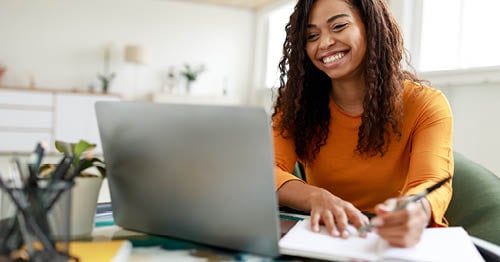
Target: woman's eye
<point x="339" y="27"/>
<point x="311" y="37"/>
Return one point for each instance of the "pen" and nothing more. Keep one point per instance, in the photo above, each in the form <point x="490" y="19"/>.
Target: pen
<point x="18" y="174"/>
<point x="407" y="200"/>
<point x="62" y="168"/>
<point x="34" y="161"/>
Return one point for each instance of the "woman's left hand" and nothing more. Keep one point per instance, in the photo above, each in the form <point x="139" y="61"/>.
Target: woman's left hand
<point x="403" y="227"/>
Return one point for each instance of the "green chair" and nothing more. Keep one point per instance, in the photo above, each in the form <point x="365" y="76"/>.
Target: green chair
<point x="475" y="204"/>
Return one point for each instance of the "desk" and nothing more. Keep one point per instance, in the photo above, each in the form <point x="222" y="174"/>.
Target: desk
<point x="157" y="248"/>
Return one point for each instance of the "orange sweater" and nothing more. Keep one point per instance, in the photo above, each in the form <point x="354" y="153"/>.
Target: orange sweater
<point x="422" y="156"/>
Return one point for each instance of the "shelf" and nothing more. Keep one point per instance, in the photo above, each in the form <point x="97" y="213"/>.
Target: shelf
<point x="58" y="91"/>
<point x="194" y="99"/>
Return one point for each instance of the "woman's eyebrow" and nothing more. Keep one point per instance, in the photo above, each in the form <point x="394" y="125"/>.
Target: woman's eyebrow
<point x="329" y="20"/>
<point x="335" y="17"/>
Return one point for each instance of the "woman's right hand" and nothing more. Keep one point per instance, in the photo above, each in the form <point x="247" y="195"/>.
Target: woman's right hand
<point x="325" y="208"/>
<point x="334" y="213"/>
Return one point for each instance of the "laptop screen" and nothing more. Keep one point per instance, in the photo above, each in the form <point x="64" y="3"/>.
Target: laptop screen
<point x="195" y="172"/>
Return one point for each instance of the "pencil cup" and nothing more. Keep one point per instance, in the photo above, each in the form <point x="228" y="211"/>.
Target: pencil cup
<point x="8" y="221"/>
<point x="59" y="216"/>
<point x="38" y="227"/>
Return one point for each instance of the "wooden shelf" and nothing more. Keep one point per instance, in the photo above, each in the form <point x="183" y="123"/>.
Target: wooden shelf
<point x="59" y="91"/>
<point x="194" y="99"/>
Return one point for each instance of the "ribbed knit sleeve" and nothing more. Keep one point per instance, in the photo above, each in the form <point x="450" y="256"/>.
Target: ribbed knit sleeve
<point x="285" y="158"/>
<point x="431" y="157"/>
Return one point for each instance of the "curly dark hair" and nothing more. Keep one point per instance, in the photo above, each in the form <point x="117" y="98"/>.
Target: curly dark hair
<point x="301" y="110"/>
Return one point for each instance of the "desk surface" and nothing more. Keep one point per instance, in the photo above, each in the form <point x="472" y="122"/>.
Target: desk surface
<point x="158" y="248"/>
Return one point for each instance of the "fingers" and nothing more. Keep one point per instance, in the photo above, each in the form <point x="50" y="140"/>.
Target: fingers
<point x="315" y="218"/>
<point x="386" y="207"/>
<point x="337" y="218"/>
<point x="356" y="217"/>
<point x="402" y="235"/>
<point x="334" y="213"/>
<point x="341" y="221"/>
<point x="411" y="216"/>
<point x="326" y="218"/>
<point x="400" y="228"/>
<point x="396" y="237"/>
<point x="330" y="223"/>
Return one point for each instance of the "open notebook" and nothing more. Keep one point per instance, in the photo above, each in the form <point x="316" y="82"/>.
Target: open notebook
<point x="437" y="244"/>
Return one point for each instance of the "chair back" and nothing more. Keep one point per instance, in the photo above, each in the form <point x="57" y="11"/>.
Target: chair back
<point x="475" y="204"/>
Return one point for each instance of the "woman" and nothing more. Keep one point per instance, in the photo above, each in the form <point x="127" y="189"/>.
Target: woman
<point x="367" y="132"/>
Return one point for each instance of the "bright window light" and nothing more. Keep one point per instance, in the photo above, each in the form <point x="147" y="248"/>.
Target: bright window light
<point x="276" y="37"/>
<point x="464" y="36"/>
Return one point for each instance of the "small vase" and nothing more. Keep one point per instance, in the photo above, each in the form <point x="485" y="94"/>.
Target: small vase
<point x="189" y="86"/>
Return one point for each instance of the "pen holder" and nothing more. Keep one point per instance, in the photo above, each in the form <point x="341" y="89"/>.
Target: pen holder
<point x="35" y="225"/>
<point x="7" y="222"/>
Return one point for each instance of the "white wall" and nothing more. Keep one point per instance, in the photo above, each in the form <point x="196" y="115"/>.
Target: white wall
<point x="476" y="109"/>
<point x="60" y="43"/>
<point x="260" y="94"/>
<point x="472" y="93"/>
<point x="473" y="97"/>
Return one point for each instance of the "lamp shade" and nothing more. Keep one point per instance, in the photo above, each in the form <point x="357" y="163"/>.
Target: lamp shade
<point x="135" y="54"/>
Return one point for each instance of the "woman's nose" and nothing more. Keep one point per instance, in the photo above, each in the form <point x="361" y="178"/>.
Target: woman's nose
<point x="326" y="41"/>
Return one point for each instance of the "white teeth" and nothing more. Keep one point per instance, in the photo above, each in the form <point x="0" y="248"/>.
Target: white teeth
<point x="333" y="58"/>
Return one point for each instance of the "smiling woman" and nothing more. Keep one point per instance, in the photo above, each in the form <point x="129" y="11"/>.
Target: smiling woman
<point x="346" y="32"/>
<point x="339" y="112"/>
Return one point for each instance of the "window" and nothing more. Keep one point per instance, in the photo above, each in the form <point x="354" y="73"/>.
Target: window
<point x="277" y="21"/>
<point x="459" y="34"/>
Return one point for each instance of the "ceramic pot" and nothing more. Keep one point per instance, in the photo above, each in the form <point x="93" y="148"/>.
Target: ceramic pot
<point x="73" y="214"/>
<point x="84" y="197"/>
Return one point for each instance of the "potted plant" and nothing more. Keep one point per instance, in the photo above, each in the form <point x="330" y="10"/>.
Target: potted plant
<point x="88" y="172"/>
<point x="106" y="77"/>
<point x="191" y="74"/>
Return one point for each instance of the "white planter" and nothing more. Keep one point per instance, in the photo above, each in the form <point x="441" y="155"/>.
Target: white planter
<point x="82" y="207"/>
<point x="84" y="197"/>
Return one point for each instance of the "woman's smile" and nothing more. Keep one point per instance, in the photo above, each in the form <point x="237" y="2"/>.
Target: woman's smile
<point x="333" y="60"/>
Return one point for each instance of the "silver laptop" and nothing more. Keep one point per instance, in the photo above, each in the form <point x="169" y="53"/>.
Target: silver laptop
<point x="193" y="172"/>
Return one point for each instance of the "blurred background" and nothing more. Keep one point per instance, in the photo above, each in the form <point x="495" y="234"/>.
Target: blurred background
<point x="57" y="57"/>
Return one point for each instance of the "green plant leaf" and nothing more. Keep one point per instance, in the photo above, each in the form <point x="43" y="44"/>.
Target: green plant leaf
<point x="64" y="147"/>
<point x="82" y="147"/>
<point x="80" y="163"/>
<point x="97" y="162"/>
<point x="84" y="164"/>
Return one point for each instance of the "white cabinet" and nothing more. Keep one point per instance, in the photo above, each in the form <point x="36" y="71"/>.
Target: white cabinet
<point x="30" y="116"/>
<point x="25" y="118"/>
<point x="75" y="118"/>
